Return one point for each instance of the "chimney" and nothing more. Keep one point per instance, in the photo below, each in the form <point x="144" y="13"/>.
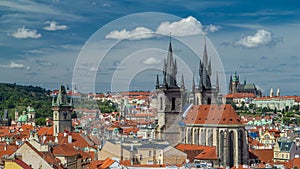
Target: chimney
<point x="65" y="133"/>
<point x="70" y="138"/>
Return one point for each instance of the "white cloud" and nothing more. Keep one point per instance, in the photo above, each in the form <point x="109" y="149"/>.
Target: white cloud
<point x="14" y="65"/>
<point x="212" y="28"/>
<point x="151" y="60"/>
<point x="26" y="33"/>
<point x="53" y="26"/>
<point x="137" y="33"/>
<point x="261" y="38"/>
<point x="185" y="27"/>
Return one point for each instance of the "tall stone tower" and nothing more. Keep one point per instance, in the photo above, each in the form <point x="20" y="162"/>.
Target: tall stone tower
<point x="62" y="109"/>
<point x="205" y="93"/>
<point x="233" y="83"/>
<point x="170" y="99"/>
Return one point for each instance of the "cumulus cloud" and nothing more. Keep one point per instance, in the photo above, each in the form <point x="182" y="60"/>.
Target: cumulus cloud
<point x="14" y="65"/>
<point x="26" y="33"/>
<point x="261" y="38"/>
<point x="151" y="60"/>
<point x="137" y="33"/>
<point x="185" y="27"/>
<point x="53" y="26"/>
<point x="212" y="28"/>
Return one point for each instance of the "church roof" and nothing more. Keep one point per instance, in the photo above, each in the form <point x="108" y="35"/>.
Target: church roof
<point x="212" y="115"/>
<point x="22" y="118"/>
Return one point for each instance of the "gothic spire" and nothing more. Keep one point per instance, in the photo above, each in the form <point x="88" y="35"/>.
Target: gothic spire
<point x="182" y="82"/>
<point x="157" y="81"/>
<point x="205" y="56"/>
<point x="217" y="82"/>
<point x="193" y="84"/>
<point x="201" y="75"/>
<point x="209" y="68"/>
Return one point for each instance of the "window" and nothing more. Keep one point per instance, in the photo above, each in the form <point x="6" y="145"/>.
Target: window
<point x="150" y="153"/>
<point x="141" y="157"/>
<point x="173" y="103"/>
<point x="161" y="103"/>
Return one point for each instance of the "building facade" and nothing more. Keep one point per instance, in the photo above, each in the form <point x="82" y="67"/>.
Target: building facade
<point x="218" y="126"/>
<point x="170" y="98"/>
<point x="236" y="87"/>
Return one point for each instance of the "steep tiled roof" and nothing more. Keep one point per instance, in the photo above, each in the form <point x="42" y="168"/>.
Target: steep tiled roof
<point x="212" y="115"/>
<point x="208" y="153"/>
<point x="47" y="131"/>
<point x="64" y="150"/>
<point x="22" y="164"/>
<point x="194" y="151"/>
<point x="101" y="164"/>
<point x="264" y="155"/>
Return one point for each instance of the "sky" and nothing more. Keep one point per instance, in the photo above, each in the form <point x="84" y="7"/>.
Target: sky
<point x="102" y="45"/>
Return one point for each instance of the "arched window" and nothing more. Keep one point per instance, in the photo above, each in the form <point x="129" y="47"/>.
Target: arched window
<point x="210" y="137"/>
<point x="241" y="146"/>
<point x="221" y="149"/>
<point x="197" y="103"/>
<point x="231" y="149"/>
<point x="173" y="103"/>
<point x="203" y="137"/>
<point x="161" y="103"/>
<point x="209" y="100"/>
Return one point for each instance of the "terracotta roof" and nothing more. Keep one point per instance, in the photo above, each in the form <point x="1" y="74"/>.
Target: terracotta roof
<point x="64" y="150"/>
<point x="208" y="153"/>
<point x="48" y="131"/>
<point x="240" y="95"/>
<point x="296" y="162"/>
<point x="22" y="164"/>
<point x="264" y="155"/>
<point x="101" y="164"/>
<point x="194" y="151"/>
<point x="212" y="115"/>
<point x="26" y="127"/>
<point x="95" y="164"/>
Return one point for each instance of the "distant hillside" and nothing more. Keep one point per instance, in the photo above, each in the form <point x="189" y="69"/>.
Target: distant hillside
<point x="14" y="96"/>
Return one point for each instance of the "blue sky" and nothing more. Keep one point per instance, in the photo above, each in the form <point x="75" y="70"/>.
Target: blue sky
<point x="42" y="42"/>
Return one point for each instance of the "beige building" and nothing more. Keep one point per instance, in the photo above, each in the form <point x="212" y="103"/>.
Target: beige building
<point x="142" y="152"/>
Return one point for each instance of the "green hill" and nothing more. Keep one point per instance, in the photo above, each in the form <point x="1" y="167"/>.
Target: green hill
<point x="14" y="96"/>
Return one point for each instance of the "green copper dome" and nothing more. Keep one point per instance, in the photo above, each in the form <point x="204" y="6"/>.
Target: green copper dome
<point x="22" y="118"/>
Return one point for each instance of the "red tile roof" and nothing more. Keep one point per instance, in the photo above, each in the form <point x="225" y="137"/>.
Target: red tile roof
<point x="47" y="131"/>
<point x="212" y="115"/>
<point x="208" y="153"/>
<point x="22" y="164"/>
<point x="101" y="164"/>
<point x="240" y="95"/>
<point x="198" y="152"/>
<point x="264" y="155"/>
<point x="64" y="150"/>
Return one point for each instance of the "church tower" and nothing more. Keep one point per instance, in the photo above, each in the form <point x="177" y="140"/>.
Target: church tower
<point x="62" y="109"/>
<point x="205" y="93"/>
<point x="170" y="99"/>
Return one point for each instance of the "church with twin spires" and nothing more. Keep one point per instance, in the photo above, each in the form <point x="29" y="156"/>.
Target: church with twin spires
<point x="173" y="98"/>
<point x="199" y="117"/>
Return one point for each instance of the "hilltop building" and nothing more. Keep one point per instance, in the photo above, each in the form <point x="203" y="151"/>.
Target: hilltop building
<point x="236" y="87"/>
